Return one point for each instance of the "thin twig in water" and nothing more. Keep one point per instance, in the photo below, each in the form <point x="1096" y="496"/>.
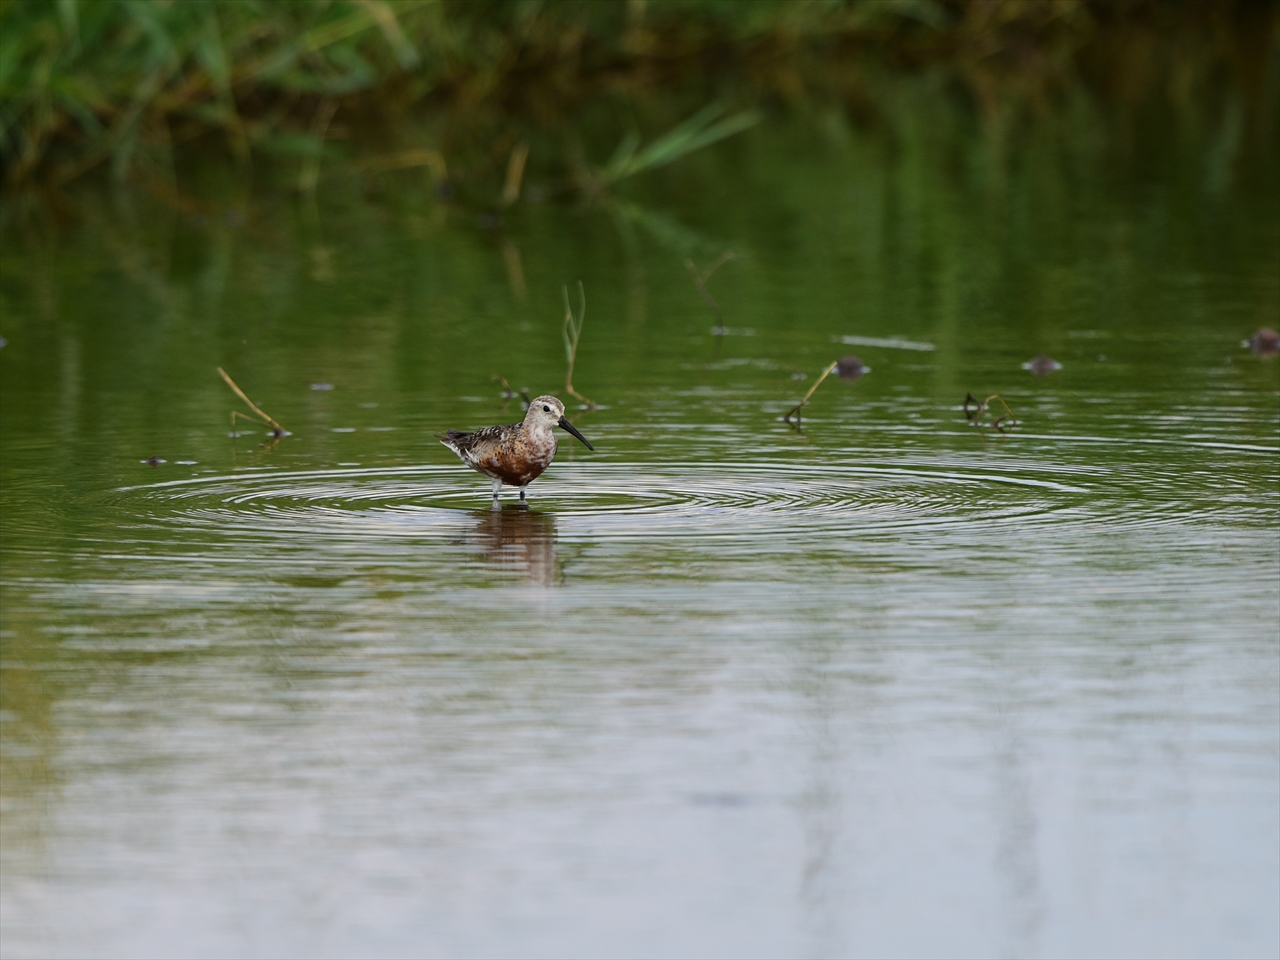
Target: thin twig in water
<point x="572" y="331"/>
<point x="277" y="431"/>
<point x="795" y="411"/>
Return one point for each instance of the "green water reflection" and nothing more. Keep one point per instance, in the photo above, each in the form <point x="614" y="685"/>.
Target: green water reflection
<point x="725" y="687"/>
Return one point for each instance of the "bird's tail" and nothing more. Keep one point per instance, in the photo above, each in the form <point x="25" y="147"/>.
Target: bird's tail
<point x="448" y="439"/>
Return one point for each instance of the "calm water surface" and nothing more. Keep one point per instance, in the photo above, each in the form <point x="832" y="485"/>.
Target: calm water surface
<point x="885" y="685"/>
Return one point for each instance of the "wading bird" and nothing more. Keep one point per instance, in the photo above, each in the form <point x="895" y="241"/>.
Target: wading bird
<point x="514" y="454"/>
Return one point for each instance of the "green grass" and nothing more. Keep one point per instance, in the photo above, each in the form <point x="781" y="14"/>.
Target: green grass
<point x="131" y="84"/>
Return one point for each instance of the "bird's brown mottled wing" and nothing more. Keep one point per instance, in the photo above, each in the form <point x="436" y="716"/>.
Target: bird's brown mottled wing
<point x="496" y="452"/>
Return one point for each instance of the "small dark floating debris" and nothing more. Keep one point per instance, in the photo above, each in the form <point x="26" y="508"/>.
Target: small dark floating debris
<point x="1265" y="342"/>
<point x="1042" y="365"/>
<point x="154" y="461"/>
<point x="322" y="386"/>
<point x="851" y="368"/>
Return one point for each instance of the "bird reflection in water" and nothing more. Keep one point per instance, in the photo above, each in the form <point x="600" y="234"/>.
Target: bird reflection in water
<point x="516" y="539"/>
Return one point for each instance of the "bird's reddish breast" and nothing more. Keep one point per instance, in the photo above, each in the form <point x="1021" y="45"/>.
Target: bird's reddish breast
<point x="519" y="460"/>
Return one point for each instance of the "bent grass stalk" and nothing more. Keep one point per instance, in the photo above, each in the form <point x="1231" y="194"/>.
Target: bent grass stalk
<point x="267" y="420"/>
<point x="975" y="408"/>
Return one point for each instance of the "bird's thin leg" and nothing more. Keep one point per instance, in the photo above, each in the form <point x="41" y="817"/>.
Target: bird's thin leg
<point x="522" y="489"/>
<point x="497" y="486"/>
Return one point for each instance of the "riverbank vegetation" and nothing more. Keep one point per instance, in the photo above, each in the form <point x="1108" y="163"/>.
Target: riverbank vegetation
<point x="461" y="90"/>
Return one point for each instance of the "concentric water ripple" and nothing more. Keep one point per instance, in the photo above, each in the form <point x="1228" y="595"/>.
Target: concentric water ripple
<point x="611" y="500"/>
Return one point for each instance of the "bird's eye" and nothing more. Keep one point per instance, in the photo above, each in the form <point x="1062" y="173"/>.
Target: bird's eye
<point x="546" y="408"/>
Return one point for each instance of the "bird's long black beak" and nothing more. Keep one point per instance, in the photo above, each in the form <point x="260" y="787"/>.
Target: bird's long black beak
<point x="574" y="430"/>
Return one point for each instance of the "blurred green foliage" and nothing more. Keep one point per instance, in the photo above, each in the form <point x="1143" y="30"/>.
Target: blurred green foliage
<point x="127" y="83"/>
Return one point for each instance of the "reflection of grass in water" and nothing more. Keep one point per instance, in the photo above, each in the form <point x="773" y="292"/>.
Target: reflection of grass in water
<point x="663" y="229"/>
<point x="127" y="83"/>
<point x="700" y="278"/>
